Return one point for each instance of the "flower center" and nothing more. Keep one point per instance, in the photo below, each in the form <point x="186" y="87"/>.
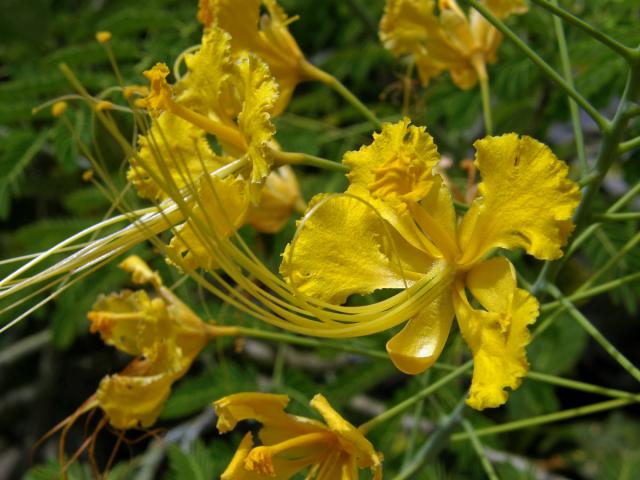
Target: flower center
<point x="403" y="177"/>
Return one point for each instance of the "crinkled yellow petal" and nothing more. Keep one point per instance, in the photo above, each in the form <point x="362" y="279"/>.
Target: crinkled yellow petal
<point x="504" y="8"/>
<point x="498" y="335"/>
<point x="525" y="200"/>
<point x="412" y="27"/>
<point x="267" y="36"/>
<point x="160" y="92"/>
<point x="135" y="397"/>
<point x="351" y="439"/>
<point x="406" y="24"/>
<point x="340" y="251"/>
<point x="140" y="272"/>
<point x="174" y="154"/>
<point x="130" y="321"/>
<point x="395" y="170"/>
<point x="280" y="197"/>
<point x="398" y="165"/>
<point x="220" y="211"/>
<point x="266" y="408"/>
<point x="419" y="344"/>
<point x="206" y="86"/>
<point x="260" y="93"/>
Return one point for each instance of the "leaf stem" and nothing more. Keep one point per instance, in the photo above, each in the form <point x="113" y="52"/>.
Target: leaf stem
<point x="479" y="449"/>
<point x="595" y="333"/>
<point x="602" y="122"/>
<point x="582" y="294"/>
<point x="629" y="145"/>
<point x="622" y="50"/>
<point x="314" y="73"/>
<point x="486" y="104"/>
<point x="407" y="403"/>
<point x="573" y="106"/>
<point x="609" y="152"/>
<point x="545" y="419"/>
<point x="582" y="386"/>
<point x="617" y="217"/>
<point x="436" y="442"/>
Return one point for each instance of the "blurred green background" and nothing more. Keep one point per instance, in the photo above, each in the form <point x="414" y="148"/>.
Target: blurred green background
<point x="49" y="364"/>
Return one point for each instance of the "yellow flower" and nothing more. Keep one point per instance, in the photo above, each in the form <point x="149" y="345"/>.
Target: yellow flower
<point x="288" y="444"/>
<point x="231" y="97"/>
<point x="161" y="331"/>
<point x="396" y="223"/>
<point x="267" y="36"/>
<point x="449" y="40"/>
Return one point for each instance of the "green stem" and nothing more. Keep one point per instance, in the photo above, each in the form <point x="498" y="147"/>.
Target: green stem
<point x="582" y="386"/>
<point x="545" y="419"/>
<point x="479" y="449"/>
<point x="308" y="342"/>
<point x="486" y="104"/>
<point x="608" y="154"/>
<point x="617" y="217"/>
<point x="314" y="73"/>
<point x="278" y="365"/>
<point x="298" y="158"/>
<point x="407" y="403"/>
<point x="595" y="333"/>
<point x="626" y="248"/>
<point x="590" y="292"/>
<point x="573" y="106"/>
<point x="622" y="50"/>
<point x="417" y="416"/>
<point x="591" y="229"/>
<point x="602" y="122"/>
<point x="629" y="145"/>
<point x="437" y="441"/>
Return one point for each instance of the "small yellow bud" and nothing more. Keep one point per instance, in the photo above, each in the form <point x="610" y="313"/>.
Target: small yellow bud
<point x="104" y="105"/>
<point x="132" y="90"/>
<point x="103" y="37"/>
<point x="58" y="108"/>
<point x="87" y="175"/>
<point x="34" y="110"/>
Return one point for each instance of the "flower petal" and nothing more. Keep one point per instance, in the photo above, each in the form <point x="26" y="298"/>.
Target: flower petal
<point x="266" y="408"/>
<point x="130" y="321"/>
<point x="419" y="344"/>
<point x="351" y="439"/>
<point x="266" y="36"/>
<point x="395" y="170"/>
<point x="342" y="249"/>
<point x="526" y="200"/>
<point x="236" y="470"/>
<point x="182" y="150"/>
<point x="260" y="93"/>
<point x="504" y="8"/>
<point x="135" y="397"/>
<point x="498" y="335"/>
<point x="205" y="88"/>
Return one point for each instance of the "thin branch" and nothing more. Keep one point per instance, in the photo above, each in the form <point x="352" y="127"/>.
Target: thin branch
<point x="622" y="50"/>
<point x="602" y="122"/>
